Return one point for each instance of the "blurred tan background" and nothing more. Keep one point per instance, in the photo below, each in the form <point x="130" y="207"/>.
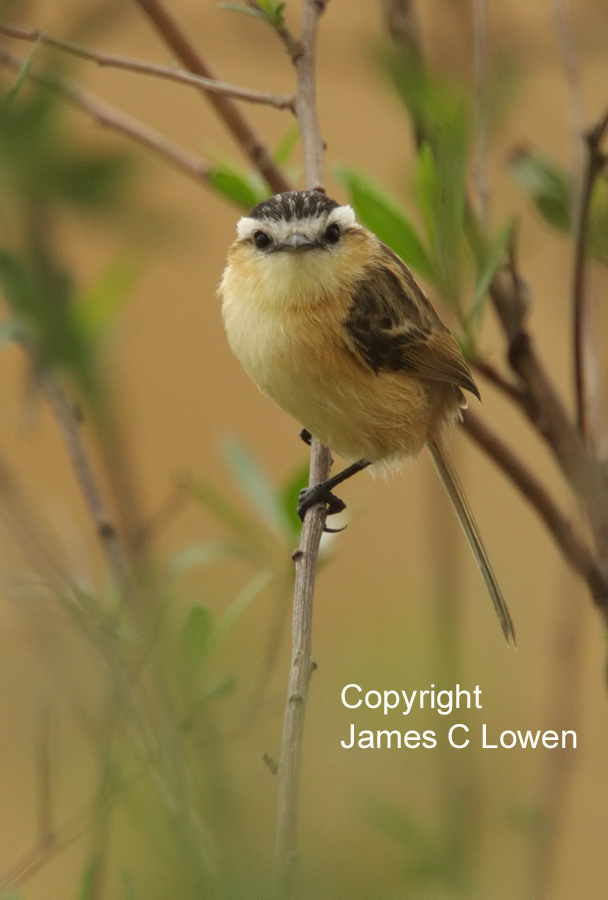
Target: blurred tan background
<point x="180" y="392"/>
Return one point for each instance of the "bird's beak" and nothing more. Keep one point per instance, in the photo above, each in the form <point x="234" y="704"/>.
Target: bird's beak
<point x="295" y="242"/>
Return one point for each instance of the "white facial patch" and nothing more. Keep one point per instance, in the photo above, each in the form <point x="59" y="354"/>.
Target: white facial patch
<point x="311" y="226"/>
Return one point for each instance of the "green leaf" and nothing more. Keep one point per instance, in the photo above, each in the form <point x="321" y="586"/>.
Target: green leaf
<point x="598" y="221"/>
<point x="547" y="184"/>
<point x="289" y="496"/>
<point x="245" y="527"/>
<point x="382" y="215"/>
<point x="202" y="554"/>
<point x="247" y="10"/>
<point x="426" y="190"/>
<point x="269" y="10"/>
<point x="101" y="301"/>
<point x="274" y="11"/>
<point x="89" y="884"/>
<point x="256" y="485"/>
<point x="286" y="145"/>
<point x="238" y="606"/>
<point x="194" y="641"/>
<point x="493" y="255"/>
<point x="41" y="295"/>
<point x="15" y="282"/>
<point x="90" y="181"/>
<point x="11" y="331"/>
<point x="13" y="91"/>
<point x="237" y="186"/>
<point x="222" y="689"/>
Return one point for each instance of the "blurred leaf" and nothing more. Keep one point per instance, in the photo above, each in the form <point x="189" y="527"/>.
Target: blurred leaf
<point x="42" y="165"/>
<point x="550" y="187"/>
<point x="247" y="10"/>
<point x="238" y="187"/>
<point x="290" y="495"/>
<point x="598" y="224"/>
<point x="101" y="301"/>
<point x="11" y="331"/>
<point x="90" y="180"/>
<point x="222" y="689"/>
<point x="427" y="858"/>
<point x="246" y="527"/>
<point x="89" y="886"/>
<point x="547" y="184"/>
<point x="450" y="151"/>
<point x="11" y="94"/>
<point x="429" y="98"/>
<point x="488" y="262"/>
<point x="239" y="605"/>
<point x="256" y="485"/>
<point x="15" y="282"/>
<point x="382" y="215"/>
<point x="195" y="635"/>
<point x="426" y="189"/>
<point x="399" y="825"/>
<point x="287" y="145"/>
<point x="269" y="10"/>
<point x="40" y="295"/>
<point x="202" y="554"/>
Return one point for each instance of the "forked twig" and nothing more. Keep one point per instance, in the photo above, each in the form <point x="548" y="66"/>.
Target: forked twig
<point x="114" y="61"/>
<point x="179" y="41"/>
<point x="596" y="160"/>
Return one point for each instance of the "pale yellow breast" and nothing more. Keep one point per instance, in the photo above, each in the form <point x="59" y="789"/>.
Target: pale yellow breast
<point x="289" y="341"/>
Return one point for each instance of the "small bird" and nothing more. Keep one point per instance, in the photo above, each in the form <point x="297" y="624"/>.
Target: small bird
<point x="333" y="326"/>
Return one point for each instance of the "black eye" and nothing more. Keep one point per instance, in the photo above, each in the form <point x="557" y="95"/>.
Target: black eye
<point x="261" y="240"/>
<point x="332" y="235"/>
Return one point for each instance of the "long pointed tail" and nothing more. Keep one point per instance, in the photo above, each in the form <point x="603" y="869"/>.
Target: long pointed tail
<point x="452" y="485"/>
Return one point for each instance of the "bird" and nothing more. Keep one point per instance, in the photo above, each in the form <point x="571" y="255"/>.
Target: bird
<point x="334" y="327"/>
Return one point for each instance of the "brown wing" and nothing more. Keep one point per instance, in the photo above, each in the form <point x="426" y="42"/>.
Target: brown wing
<point x="391" y="326"/>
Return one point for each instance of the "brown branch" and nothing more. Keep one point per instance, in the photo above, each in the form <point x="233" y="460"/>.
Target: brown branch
<point x="179" y="41"/>
<point x="302" y="665"/>
<point x="496" y="378"/>
<point x="596" y="161"/>
<point x="114" y="61"/>
<point x="116" y="558"/>
<point x="571" y="544"/>
<point x="544" y="407"/>
<point x="109" y="117"/>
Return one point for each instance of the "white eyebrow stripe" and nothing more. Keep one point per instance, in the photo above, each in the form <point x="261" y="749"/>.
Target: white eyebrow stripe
<point x="246" y="226"/>
<point x="344" y="216"/>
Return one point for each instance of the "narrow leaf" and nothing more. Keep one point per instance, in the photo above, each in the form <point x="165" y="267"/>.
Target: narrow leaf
<point x="547" y="184"/>
<point x="11" y="94"/>
<point x="487" y="267"/>
<point x="195" y="636"/>
<point x="382" y="215"/>
<point x="247" y="10"/>
<point x="246" y="527"/>
<point x="101" y="301"/>
<point x="287" y="145"/>
<point x="236" y="186"/>
<point x="238" y="607"/>
<point x="255" y="484"/>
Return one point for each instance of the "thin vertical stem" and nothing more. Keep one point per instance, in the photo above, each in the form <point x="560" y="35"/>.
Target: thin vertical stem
<point x="302" y="665"/>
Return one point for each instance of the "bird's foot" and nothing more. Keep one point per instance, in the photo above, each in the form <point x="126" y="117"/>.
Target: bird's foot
<point x="320" y="493"/>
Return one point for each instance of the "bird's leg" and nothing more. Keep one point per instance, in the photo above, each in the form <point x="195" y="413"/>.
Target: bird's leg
<point x="322" y="491"/>
<point x="306" y="436"/>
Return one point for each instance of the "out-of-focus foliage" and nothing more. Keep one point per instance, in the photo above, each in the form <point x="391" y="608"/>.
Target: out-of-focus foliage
<point x="551" y="188"/>
<point x="43" y="176"/>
